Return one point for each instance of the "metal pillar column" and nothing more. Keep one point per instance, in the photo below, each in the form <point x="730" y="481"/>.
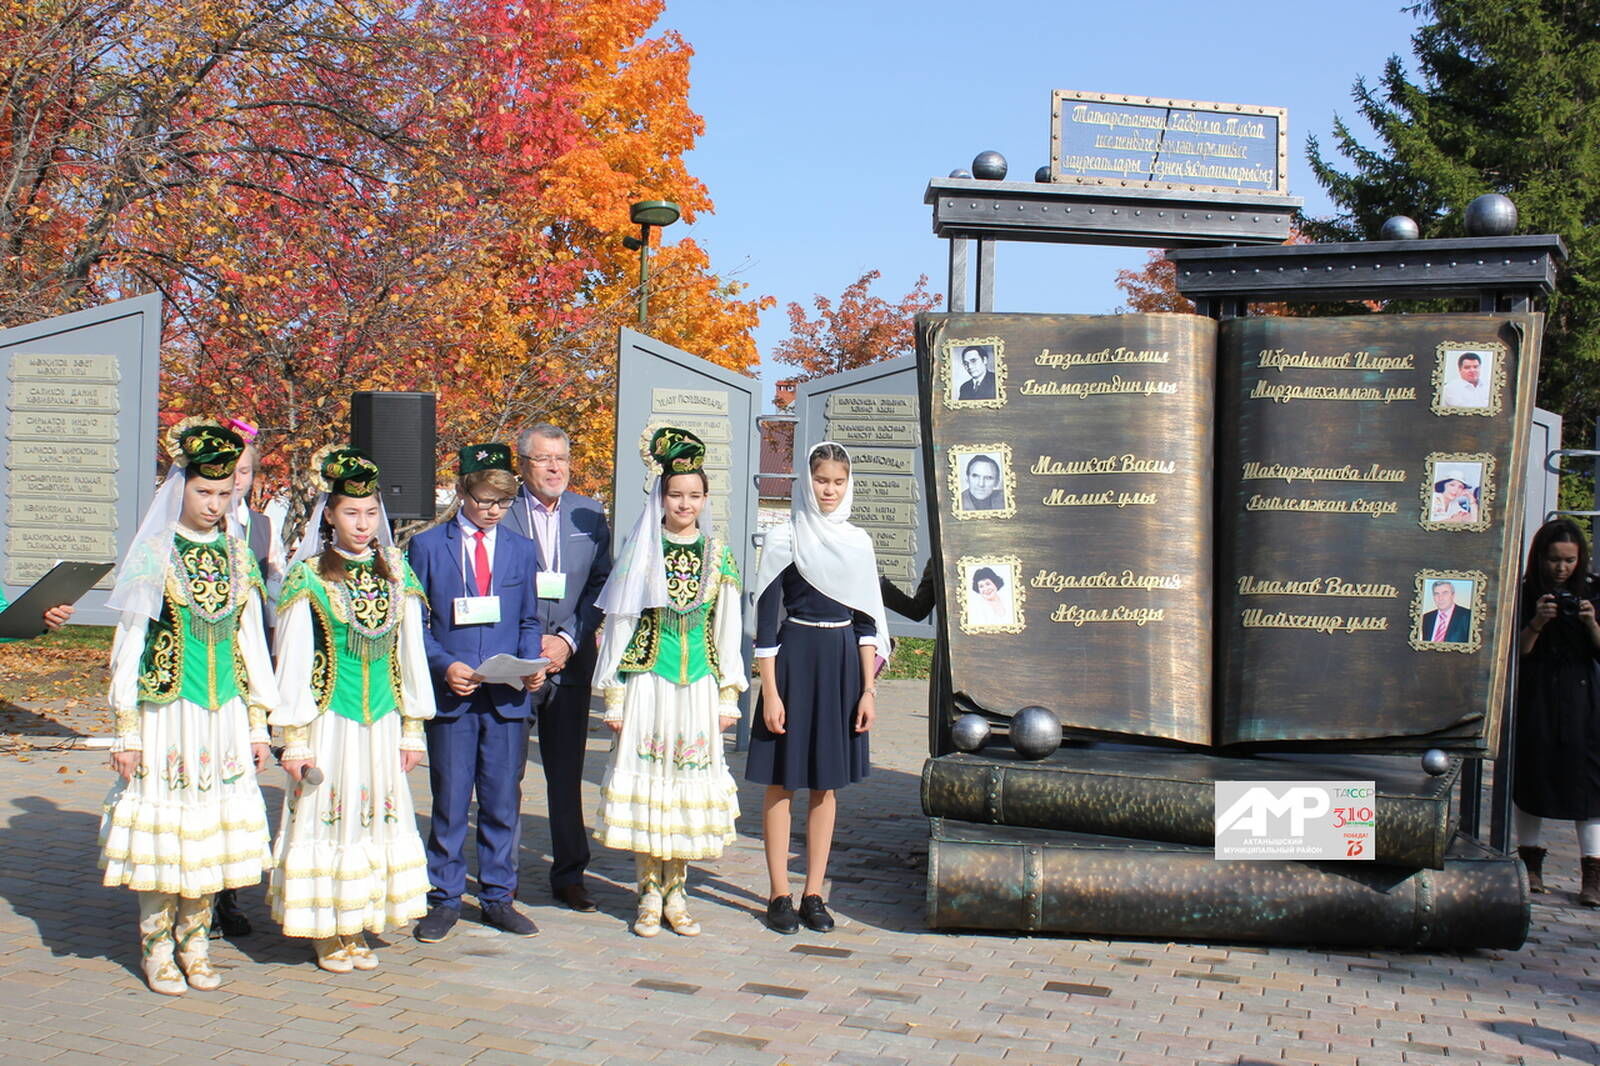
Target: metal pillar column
<point x="985" y="295"/>
<point x="956" y="294"/>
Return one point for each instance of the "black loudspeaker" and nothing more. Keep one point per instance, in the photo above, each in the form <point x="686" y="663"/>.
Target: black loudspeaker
<point x="399" y="431"/>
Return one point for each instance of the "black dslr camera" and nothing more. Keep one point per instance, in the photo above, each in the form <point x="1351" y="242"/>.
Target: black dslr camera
<point x="1567" y="601"/>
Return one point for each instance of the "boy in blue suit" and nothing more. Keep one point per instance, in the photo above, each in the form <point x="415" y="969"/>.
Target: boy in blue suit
<point x="481" y="602"/>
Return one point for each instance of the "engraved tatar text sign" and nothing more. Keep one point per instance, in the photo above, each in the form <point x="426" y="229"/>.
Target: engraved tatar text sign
<point x="1145" y="142"/>
<point x="63" y="415"/>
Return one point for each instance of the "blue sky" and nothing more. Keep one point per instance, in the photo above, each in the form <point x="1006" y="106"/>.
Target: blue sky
<point x="825" y="121"/>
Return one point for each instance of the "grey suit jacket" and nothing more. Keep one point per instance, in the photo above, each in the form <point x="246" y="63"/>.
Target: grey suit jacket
<point x="584" y="555"/>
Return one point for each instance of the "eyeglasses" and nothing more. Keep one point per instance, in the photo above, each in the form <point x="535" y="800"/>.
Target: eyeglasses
<point x="495" y="505"/>
<point x="546" y="460"/>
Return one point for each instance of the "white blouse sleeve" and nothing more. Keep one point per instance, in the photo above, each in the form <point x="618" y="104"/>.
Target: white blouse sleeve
<point x="296" y="635"/>
<point x="261" y="696"/>
<point x="417" y="702"/>
<point x="127" y="649"/>
<point x="728" y="639"/>
<point x="615" y="634"/>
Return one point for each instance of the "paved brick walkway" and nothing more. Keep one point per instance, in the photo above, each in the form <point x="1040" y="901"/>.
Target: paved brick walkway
<point x="880" y="989"/>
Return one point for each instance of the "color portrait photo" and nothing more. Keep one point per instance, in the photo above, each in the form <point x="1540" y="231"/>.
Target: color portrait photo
<point x="1468" y="379"/>
<point x="1457" y="491"/>
<point x="1445" y="613"/>
<point x="991" y="597"/>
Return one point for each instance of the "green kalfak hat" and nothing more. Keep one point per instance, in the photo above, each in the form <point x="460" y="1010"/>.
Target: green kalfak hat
<point x="205" y="445"/>
<point x="476" y="457"/>
<point x="346" y="471"/>
<point x="677" y="451"/>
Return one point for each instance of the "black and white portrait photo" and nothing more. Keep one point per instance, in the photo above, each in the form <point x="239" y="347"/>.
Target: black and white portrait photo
<point x="974" y="373"/>
<point x="982" y="484"/>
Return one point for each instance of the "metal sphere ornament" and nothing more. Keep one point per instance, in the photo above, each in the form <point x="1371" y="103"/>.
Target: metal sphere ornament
<point x="1042" y="175"/>
<point x="1400" y="228"/>
<point x="1435" y="762"/>
<point x="989" y="166"/>
<point x="1491" y="215"/>
<point x="970" y="732"/>
<point x="1035" y="732"/>
<point x="959" y="173"/>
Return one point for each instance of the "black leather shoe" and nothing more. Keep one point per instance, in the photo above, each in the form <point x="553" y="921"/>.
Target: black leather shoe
<point x="815" y="914"/>
<point x="781" y="917"/>
<point x="226" y="917"/>
<point x="505" y="917"/>
<point x="575" y="896"/>
<point x="437" y="923"/>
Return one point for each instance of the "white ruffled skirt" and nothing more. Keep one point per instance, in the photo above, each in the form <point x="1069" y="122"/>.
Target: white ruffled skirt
<point x="192" y="821"/>
<point x="348" y="857"/>
<point x="667" y="791"/>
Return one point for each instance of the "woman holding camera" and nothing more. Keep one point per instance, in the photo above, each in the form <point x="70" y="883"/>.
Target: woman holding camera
<point x="1558" y="709"/>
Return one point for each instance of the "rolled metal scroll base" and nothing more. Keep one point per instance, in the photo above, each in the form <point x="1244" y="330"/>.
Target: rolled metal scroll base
<point x="998" y="877"/>
<point x="1148" y="793"/>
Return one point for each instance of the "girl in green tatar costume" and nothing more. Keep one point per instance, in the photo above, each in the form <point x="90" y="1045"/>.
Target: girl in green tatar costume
<point x="191" y="685"/>
<point x="671" y="671"/>
<point x="356" y="689"/>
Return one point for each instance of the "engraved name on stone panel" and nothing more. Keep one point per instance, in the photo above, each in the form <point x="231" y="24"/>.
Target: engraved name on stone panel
<point x="881" y="433"/>
<point x="62" y="415"/>
<point x="707" y="414"/>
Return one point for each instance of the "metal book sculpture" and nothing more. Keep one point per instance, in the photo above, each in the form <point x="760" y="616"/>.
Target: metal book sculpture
<point x="1216" y="548"/>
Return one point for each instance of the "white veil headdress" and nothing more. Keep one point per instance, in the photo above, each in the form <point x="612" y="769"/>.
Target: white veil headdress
<point x="638" y="578"/>
<point x="311" y="542"/>
<point x="140" y="584"/>
<point x="835" y="557"/>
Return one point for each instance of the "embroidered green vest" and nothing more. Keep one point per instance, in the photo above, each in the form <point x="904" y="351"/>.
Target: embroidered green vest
<point x="191" y="651"/>
<point x="678" y="641"/>
<point x="355" y="672"/>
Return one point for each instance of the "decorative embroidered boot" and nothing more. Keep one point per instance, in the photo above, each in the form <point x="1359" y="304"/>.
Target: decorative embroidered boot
<point x="1533" y="859"/>
<point x="192" y="935"/>
<point x="648" y="921"/>
<point x="333" y="955"/>
<point x="1589" y="894"/>
<point x="157" y="911"/>
<point x="362" y="957"/>
<point x="675" y="903"/>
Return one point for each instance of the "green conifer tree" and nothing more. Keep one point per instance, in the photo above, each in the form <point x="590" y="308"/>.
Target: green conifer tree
<point x="1506" y="98"/>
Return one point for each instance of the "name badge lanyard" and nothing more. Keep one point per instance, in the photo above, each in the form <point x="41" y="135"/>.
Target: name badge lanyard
<point x="553" y="549"/>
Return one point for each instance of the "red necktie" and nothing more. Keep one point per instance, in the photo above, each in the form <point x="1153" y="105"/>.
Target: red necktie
<point x="480" y="564"/>
<point x="1439" y="624"/>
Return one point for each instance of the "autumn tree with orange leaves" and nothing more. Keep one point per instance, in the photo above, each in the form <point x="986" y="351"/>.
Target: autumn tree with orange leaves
<point x="1153" y="289"/>
<point x="857" y="330"/>
<point x="394" y="195"/>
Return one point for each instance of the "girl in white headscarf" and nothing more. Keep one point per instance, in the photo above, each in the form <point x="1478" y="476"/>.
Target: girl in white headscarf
<point x="191" y="685"/>
<point x="818" y="671"/>
<point x="671" y="670"/>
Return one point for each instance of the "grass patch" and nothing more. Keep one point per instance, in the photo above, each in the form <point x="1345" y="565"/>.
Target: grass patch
<point x="913" y="659"/>
<point x="69" y="665"/>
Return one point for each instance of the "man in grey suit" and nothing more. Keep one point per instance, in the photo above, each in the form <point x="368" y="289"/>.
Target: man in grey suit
<point x="574" y="544"/>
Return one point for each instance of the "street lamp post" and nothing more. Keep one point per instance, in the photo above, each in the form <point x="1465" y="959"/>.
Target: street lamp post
<point x="648" y="213"/>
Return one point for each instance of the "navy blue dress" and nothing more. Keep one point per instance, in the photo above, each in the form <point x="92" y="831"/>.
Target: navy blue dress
<point x="819" y="680"/>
